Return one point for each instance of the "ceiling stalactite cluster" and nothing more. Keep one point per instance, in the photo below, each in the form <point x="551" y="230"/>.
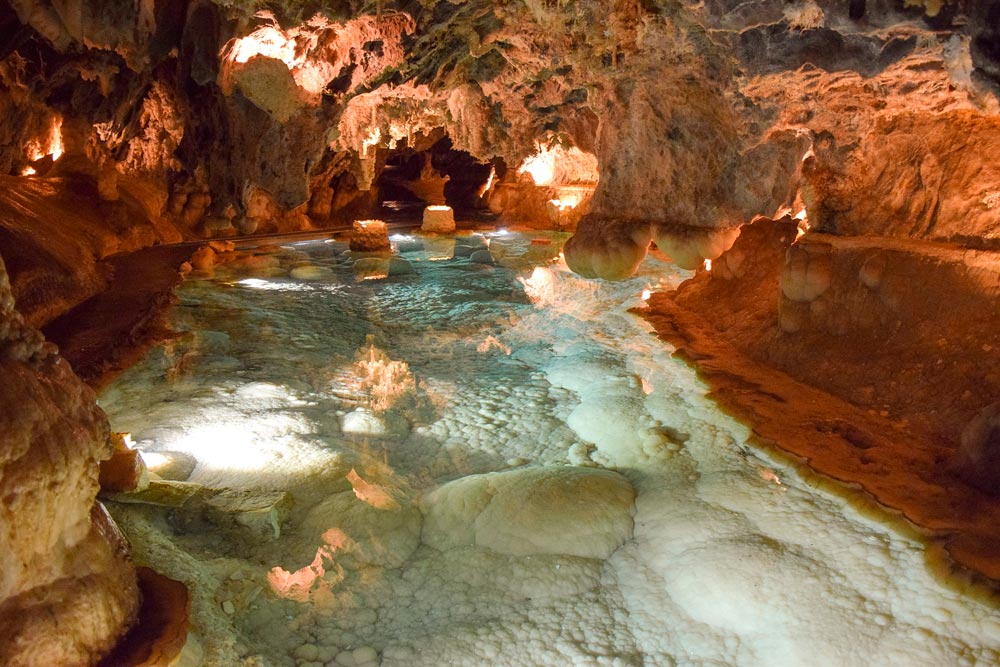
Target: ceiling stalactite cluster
<point x="673" y="122"/>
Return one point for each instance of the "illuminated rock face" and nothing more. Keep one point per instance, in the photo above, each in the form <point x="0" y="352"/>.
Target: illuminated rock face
<point x="438" y="219"/>
<point x="609" y="250"/>
<point x="573" y="511"/>
<point x="689" y="247"/>
<point x="67" y="588"/>
<point x="370" y="236"/>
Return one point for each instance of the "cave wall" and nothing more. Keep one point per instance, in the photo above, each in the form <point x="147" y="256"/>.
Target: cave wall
<point x="238" y="122"/>
<point x="67" y="587"/>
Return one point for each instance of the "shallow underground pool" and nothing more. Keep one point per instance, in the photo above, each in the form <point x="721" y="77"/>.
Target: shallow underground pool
<point x="445" y="462"/>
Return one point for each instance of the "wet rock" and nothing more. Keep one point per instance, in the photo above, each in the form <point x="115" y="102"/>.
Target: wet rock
<point x="481" y="257"/>
<point x="611" y="250"/>
<point x="372" y="268"/>
<point x="365" y="533"/>
<point x="690" y="247"/>
<point x="170" y="466"/>
<point x="438" y="219"/>
<point x="260" y="512"/>
<point x="125" y="470"/>
<point x="370" y="236"/>
<point x="400" y="267"/>
<point x="563" y="510"/>
<point x="204" y="259"/>
<point x="363" y="422"/>
<point x="311" y="272"/>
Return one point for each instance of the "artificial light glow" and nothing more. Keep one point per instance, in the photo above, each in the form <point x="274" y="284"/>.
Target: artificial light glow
<point x="56" y="147"/>
<point x="565" y="203"/>
<point x="555" y="164"/>
<point x="384" y="381"/>
<point x="438" y="208"/>
<point x="257" y="283"/>
<point x="769" y="475"/>
<point x="372" y="494"/>
<point x="493" y="342"/>
<point x="539" y="287"/>
<point x="267" y="41"/>
<point x="52" y="145"/>
<point x="314" y="581"/>
<point x="154" y="460"/>
<point x="541" y="167"/>
<point x="374" y="136"/>
<point x="28" y="171"/>
<point x="226" y="446"/>
<point x="485" y="187"/>
<point x="803" y="226"/>
<point x="271" y="42"/>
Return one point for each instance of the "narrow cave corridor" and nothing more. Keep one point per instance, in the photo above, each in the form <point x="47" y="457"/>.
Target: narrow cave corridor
<point x="499" y="334"/>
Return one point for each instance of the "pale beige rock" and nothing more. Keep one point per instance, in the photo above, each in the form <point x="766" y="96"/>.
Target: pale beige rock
<point x="576" y="511"/>
<point x="607" y="249"/>
<point x="689" y="247"/>
<point x="807" y="271"/>
<point x="268" y="83"/>
<point x="438" y="219"/>
<point x="67" y="590"/>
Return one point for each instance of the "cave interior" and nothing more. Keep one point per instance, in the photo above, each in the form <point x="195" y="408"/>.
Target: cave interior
<point x="640" y="332"/>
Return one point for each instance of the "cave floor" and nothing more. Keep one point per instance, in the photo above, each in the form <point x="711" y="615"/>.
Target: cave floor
<point x="303" y="400"/>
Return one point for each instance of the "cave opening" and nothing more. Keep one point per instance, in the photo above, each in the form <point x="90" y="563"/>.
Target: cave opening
<point x="412" y="180"/>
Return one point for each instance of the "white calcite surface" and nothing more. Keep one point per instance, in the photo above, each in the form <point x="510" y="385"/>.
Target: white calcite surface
<point x="554" y="489"/>
<point x="581" y="512"/>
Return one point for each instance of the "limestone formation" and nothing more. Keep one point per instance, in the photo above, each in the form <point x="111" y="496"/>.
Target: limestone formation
<point x="609" y="250"/>
<point x="690" y="247"/>
<point x="438" y="220"/>
<point x="67" y="586"/>
<point x="858" y="138"/>
<point x="574" y="511"/>
<point x="370" y="236"/>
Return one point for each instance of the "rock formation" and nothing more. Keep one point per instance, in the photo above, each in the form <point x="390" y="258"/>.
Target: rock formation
<point x="67" y="586"/>
<point x="860" y="135"/>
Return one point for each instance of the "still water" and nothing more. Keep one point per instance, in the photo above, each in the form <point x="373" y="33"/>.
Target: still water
<point x="470" y="456"/>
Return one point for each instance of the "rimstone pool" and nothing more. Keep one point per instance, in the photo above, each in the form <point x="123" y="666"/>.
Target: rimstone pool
<point x="444" y="461"/>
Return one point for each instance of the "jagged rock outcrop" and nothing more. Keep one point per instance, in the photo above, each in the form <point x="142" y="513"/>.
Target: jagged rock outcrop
<point x="67" y="586"/>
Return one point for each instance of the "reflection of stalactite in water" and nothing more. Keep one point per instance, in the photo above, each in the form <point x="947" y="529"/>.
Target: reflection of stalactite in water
<point x="178" y="362"/>
<point x="384" y="381"/>
<point x="317" y="579"/>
